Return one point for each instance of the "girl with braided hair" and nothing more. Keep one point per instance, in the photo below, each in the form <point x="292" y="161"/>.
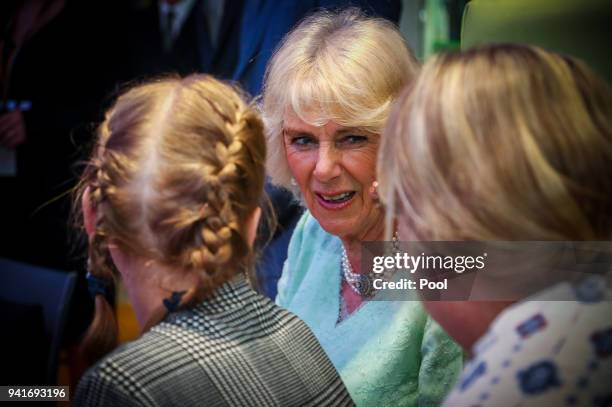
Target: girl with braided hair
<point x="169" y="201"/>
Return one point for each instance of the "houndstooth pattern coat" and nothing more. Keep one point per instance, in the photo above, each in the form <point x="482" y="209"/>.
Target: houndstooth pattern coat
<point x="236" y="349"/>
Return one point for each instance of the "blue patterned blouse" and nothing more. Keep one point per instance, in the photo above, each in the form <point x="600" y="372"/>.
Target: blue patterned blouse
<point x="544" y="352"/>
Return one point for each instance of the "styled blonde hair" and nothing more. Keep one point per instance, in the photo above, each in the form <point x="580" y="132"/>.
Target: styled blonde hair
<point x="504" y="142"/>
<point x="343" y="67"/>
<point x="177" y="170"/>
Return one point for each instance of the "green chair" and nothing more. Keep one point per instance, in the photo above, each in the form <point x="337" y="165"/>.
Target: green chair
<point x="580" y="28"/>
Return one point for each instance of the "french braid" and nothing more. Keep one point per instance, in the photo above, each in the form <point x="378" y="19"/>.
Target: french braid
<point x="178" y="169"/>
<point x="101" y="335"/>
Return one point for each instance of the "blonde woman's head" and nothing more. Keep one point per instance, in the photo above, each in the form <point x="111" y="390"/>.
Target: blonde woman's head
<point x="342" y="67"/>
<point x="504" y="142"/>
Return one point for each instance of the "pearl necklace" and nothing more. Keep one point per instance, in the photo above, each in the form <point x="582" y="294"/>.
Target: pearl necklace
<point x="361" y="284"/>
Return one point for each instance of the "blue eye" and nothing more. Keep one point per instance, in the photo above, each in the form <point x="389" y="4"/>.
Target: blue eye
<point x="352" y="140"/>
<point x="302" y="141"/>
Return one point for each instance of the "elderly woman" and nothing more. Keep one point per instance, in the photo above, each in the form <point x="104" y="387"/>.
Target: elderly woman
<point x="511" y="143"/>
<point x="327" y="95"/>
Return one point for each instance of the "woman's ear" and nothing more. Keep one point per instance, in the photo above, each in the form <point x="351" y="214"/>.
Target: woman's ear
<point x="251" y="225"/>
<point x="89" y="213"/>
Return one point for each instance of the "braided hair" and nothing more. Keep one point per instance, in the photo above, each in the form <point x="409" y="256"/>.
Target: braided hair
<point x="177" y="169"/>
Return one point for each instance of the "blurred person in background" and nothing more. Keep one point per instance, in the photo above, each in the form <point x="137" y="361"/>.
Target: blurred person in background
<point x="507" y="143"/>
<point x="58" y="59"/>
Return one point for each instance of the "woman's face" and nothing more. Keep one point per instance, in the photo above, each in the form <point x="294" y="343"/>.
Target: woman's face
<point x="334" y="167"/>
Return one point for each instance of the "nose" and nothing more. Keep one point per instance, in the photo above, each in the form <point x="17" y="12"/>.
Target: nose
<point x="328" y="164"/>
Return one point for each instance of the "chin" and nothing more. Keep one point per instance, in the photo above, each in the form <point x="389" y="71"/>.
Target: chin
<point x="334" y="226"/>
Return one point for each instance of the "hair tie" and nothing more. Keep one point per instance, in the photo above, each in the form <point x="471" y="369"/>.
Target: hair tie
<point x="172" y="303"/>
<point x="98" y="286"/>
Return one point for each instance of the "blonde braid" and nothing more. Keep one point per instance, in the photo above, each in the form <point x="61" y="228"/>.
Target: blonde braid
<point x="175" y="182"/>
<point x="102" y="334"/>
<point x="98" y="182"/>
<point x="220" y="229"/>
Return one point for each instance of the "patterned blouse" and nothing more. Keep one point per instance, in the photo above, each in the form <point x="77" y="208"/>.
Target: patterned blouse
<point x="236" y="349"/>
<point x="545" y="352"/>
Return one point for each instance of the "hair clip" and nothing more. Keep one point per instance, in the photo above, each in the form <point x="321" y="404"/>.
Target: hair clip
<point x="98" y="286"/>
<point x="172" y="303"/>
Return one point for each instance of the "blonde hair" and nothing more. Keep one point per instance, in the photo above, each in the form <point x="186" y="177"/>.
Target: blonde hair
<point x="344" y="67"/>
<point x="177" y="169"/>
<point x="503" y="142"/>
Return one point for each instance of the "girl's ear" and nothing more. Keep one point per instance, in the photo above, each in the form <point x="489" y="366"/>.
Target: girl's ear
<point x="251" y="224"/>
<point x="89" y="213"/>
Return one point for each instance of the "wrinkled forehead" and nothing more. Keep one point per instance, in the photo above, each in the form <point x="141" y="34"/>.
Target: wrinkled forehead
<point x="292" y="124"/>
<point x="309" y="117"/>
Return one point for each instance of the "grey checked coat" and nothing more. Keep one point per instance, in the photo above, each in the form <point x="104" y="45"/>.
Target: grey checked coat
<point x="237" y="349"/>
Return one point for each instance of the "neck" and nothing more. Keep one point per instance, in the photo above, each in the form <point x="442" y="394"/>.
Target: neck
<point x="466" y="321"/>
<point x="146" y="294"/>
<point x="353" y="244"/>
<point x="148" y="283"/>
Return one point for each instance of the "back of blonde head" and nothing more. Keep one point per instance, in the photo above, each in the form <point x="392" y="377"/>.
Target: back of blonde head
<point x="344" y="67"/>
<point x="177" y="170"/>
<point x="501" y="143"/>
